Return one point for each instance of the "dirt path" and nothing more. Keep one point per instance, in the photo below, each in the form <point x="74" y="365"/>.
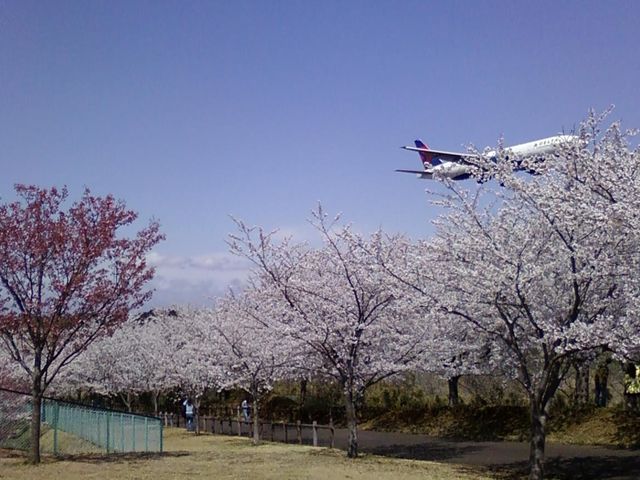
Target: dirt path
<point x="504" y="460"/>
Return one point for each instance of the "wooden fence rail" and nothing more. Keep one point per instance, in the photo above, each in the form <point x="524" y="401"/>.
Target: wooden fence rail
<point x="273" y="431"/>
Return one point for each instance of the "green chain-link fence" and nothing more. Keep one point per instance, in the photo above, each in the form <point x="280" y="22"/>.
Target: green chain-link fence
<point x="69" y="428"/>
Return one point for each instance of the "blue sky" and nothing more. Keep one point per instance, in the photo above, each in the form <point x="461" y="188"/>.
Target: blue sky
<point x="192" y="110"/>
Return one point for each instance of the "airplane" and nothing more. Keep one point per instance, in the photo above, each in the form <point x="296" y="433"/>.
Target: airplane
<point x="460" y="166"/>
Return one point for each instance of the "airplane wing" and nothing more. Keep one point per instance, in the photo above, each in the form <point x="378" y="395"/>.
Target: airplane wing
<point x="456" y="157"/>
<point x="420" y="173"/>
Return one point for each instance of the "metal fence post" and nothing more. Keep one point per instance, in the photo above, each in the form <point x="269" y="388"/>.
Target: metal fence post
<point x="56" y="413"/>
<point x="107" y="434"/>
<point x="82" y="419"/>
<point x="122" y="433"/>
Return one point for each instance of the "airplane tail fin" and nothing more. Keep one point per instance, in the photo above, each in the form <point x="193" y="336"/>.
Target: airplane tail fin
<point x="425" y="157"/>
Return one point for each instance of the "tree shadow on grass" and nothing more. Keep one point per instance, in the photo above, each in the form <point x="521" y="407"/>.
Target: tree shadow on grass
<point x="9" y="453"/>
<point x="426" y="451"/>
<point x="95" y="458"/>
<point x="119" y="457"/>
<point x="578" y="468"/>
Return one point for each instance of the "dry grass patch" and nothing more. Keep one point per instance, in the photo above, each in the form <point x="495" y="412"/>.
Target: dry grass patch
<point x="598" y="426"/>
<point x="206" y="456"/>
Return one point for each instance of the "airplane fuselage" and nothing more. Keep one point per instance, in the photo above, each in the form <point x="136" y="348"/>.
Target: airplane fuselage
<point x="460" y="166"/>
<point x="543" y="146"/>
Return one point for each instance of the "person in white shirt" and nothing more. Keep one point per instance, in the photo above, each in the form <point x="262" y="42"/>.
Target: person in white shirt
<point x="245" y="409"/>
<point x="189" y="412"/>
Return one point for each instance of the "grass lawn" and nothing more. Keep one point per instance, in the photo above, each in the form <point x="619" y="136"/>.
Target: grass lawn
<point x="218" y="457"/>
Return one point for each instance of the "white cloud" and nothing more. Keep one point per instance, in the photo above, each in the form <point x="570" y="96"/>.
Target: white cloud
<point x="197" y="279"/>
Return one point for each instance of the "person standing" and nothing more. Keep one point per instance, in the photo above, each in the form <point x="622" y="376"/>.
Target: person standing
<point x="189" y="412"/>
<point x="245" y="410"/>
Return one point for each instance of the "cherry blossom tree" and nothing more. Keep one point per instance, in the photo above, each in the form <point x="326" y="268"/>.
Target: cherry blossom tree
<point x="109" y="366"/>
<point x="66" y="278"/>
<point x="252" y="355"/>
<point x="544" y="267"/>
<point x="340" y="304"/>
<point x="162" y="335"/>
<point x="447" y="349"/>
<point x="158" y="351"/>
<point x="136" y="358"/>
<point x="197" y="356"/>
<point x="10" y="377"/>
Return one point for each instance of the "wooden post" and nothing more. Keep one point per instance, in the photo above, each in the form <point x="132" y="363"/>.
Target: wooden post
<point x="272" y="431"/>
<point x="332" y="432"/>
<point x="286" y="433"/>
<point x="315" y="433"/>
<point x="299" y="431"/>
<point x="239" y="424"/>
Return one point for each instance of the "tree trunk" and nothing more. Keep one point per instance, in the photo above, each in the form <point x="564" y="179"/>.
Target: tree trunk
<point x="631" y="387"/>
<point x="454" y="398"/>
<point x="352" y="424"/>
<point x="36" y="391"/>
<point x="303" y="398"/>
<point x="581" y="393"/>
<point x="256" y="423"/>
<point x="538" y="435"/>
<point x="601" y="381"/>
<point x="196" y="413"/>
<point x="155" y="396"/>
<point x="127" y="400"/>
